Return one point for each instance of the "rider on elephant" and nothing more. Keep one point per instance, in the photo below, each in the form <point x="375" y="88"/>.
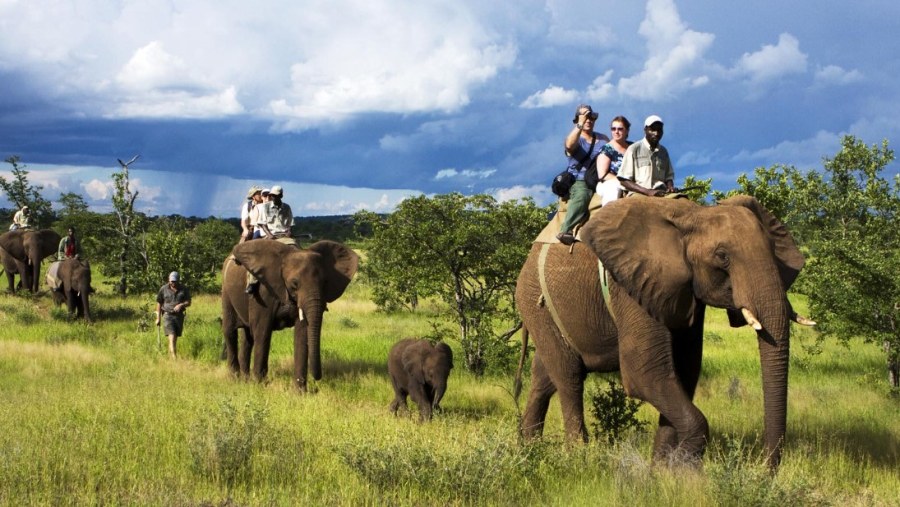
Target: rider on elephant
<point x="22" y="219"/>
<point x="69" y="248"/>
<point x="646" y="166"/>
<point x="276" y="222"/>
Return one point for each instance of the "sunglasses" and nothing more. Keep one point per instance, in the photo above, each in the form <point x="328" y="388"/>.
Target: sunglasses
<point x="616" y="129"/>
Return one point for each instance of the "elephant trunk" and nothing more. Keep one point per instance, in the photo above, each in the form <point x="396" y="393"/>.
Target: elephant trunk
<point x="311" y="309"/>
<point x="771" y="311"/>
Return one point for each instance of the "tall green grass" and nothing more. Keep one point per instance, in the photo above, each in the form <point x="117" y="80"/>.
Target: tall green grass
<point x="98" y="414"/>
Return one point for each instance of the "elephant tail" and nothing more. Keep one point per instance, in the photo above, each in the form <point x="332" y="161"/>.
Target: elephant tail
<point x="517" y="384"/>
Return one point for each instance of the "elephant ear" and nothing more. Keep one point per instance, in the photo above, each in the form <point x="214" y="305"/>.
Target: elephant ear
<point x="788" y="257"/>
<point x="413" y="359"/>
<point x="639" y="242"/>
<point x="263" y="259"/>
<point x="12" y="243"/>
<point x="340" y="263"/>
<point x="48" y="242"/>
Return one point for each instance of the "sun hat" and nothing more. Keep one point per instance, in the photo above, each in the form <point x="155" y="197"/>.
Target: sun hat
<point x="651" y="120"/>
<point x="276" y="190"/>
<point x="173" y="276"/>
<point x="253" y="191"/>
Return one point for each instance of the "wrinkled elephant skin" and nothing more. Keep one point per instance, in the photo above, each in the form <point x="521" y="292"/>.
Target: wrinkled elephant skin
<point x="420" y="370"/>
<point x="295" y="286"/>
<point x="75" y="287"/>
<point x="667" y="259"/>
<point x="30" y="248"/>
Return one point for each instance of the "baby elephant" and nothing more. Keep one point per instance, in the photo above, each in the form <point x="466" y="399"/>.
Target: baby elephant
<point x="420" y="370"/>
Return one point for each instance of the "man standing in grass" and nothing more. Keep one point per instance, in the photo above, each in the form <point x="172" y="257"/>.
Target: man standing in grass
<point x="171" y="301"/>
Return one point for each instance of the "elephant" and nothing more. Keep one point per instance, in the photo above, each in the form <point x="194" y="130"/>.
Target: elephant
<point x="664" y="260"/>
<point x="30" y="248"/>
<point x="74" y="287"/>
<point x="420" y="370"/>
<point x="295" y="287"/>
<point x="12" y="267"/>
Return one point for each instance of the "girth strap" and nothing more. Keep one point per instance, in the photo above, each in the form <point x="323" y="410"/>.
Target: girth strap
<point x="604" y="287"/>
<point x="542" y="259"/>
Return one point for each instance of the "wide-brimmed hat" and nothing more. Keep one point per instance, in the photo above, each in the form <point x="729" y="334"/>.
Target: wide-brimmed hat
<point x="253" y="191"/>
<point x="277" y="190"/>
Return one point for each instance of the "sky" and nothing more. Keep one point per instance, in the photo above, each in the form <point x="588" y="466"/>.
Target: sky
<point x="359" y="104"/>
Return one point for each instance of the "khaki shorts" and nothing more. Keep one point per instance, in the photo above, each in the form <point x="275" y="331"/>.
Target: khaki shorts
<point x="173" y="323"/>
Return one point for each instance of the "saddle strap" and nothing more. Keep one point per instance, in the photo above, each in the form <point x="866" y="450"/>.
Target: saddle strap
<point x="542" y="259"/>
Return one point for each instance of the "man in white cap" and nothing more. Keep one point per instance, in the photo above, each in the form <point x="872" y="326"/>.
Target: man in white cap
<point x="254" y="197"/>
<point x="276" y="222"/>
<point x="171" y="300"/>
<point x="646" y="167"/>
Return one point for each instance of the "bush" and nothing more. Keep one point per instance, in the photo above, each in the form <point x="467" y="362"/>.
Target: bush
<point x="614" y="412"/>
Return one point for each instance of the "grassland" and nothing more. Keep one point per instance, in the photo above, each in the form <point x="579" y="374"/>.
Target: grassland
<point x="98" y="414"/>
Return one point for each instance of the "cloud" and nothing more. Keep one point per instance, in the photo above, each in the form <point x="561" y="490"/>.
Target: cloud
<point x="804" y="153"/>
<point x="675" y="55"/>
<point x="835" y="75"/>
<point x="478" y="174"/>
<point x="549" y="97"/>
<point x="540" y="193"/>
<point x="773" y="62"/>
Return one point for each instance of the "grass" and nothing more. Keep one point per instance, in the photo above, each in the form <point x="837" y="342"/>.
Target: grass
<point x="97" y="414"/>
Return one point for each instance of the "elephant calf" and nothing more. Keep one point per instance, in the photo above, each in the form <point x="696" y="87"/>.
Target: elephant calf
<point x="420" y="370"/>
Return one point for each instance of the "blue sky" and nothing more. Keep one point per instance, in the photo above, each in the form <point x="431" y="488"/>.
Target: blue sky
<point x="358" y="104"/>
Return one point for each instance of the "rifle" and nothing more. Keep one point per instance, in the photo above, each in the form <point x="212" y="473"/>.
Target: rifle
<point x="685" y="189"/>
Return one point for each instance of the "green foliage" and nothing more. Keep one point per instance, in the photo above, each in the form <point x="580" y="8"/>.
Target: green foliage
<point x="22" y="193"/>
<point x="614" y="412"/>
<point x="739" y="476"/>
<point x="465" y="251"/>
<point x="222" y="444"/>
<point x="697" y="190"/>
<point x="846" y="218"/>
<point x="171" y="244"/>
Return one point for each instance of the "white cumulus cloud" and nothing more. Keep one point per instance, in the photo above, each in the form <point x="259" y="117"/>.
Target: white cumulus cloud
<point x="549" y="97"/>
<point x="772" y="62"/>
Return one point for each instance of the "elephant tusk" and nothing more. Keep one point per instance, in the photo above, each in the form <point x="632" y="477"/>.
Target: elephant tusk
<point x="803" y="321"/>
<point x="751" y="319"/>
<point x="300" y="314"/>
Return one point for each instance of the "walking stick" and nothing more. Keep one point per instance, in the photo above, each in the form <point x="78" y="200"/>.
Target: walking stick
<point x="157" y="332"/>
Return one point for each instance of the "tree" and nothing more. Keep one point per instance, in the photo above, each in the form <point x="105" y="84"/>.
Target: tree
<point x="465" y="251"/>
<point x="697" y="190"/>
<point x="128" y="222"/>
<point x="22" y="193"/>
<point x="846" y="218"/>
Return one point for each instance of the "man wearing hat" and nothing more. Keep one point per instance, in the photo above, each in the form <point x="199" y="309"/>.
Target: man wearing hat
<point x="646" y="166"/>
<point x="171" y="300"/>
<point x="275" y="223"/>
<point x="254" y="197"/>
<point x="22" y="219"/>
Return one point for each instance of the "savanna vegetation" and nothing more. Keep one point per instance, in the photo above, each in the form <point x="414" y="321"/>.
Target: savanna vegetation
<point x="98" y="414"/>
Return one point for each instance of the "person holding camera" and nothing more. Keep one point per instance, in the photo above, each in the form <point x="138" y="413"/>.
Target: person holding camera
<point x="582" y="147"/>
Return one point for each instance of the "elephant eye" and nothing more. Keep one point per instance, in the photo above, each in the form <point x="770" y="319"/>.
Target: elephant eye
<point x="722" y="257"/>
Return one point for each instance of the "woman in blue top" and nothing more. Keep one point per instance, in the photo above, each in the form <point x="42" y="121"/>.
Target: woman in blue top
<point x="611" y="154"/>
<point x="582" y="147"/>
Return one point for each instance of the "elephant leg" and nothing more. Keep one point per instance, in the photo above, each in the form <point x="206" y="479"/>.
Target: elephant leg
<point x="542" y="389"/>
<point x="261" y="353"/>
<point x="230" y="333"/>
<point x="687" y="355"/>
<point x="245" y="352"/>
<point x="399" y="400"/>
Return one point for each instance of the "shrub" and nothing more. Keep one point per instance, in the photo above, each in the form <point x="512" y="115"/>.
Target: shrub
<point x="614" y="412"/>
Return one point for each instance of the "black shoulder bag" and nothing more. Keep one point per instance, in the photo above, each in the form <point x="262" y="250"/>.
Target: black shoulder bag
<point x="564" y="180"/>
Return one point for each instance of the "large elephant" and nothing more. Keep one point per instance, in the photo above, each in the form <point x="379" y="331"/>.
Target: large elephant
<point x="666" y="260"/>
<point x="295" y="285"/>
<point x="74" y="287"/>
<point x="30" y="248"/>
<point x="12" y="267"/>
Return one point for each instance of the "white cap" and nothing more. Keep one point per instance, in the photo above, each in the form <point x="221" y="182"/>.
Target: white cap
<point x="651" y="120"/>
<point x="265" y="191"/>
<point x="173" y="276"/>
<point x="277" y="190"/>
